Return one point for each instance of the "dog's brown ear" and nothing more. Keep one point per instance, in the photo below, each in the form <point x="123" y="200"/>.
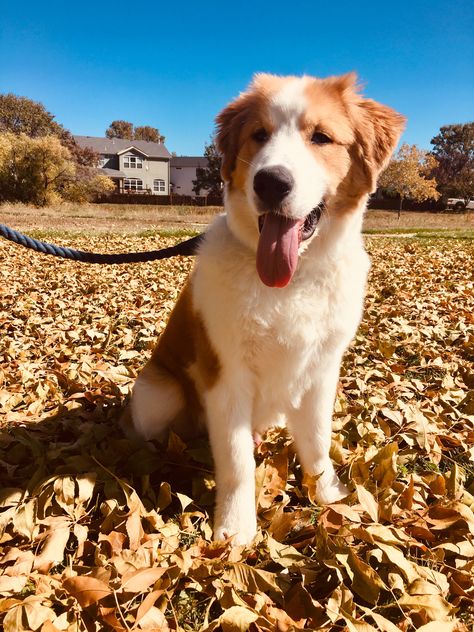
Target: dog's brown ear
<point x="229" y="124"/>
<point x="348" y="83"/>
<point x="378" y="129"/>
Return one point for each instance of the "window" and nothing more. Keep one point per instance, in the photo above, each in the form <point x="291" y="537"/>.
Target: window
<point x="132" y="162"/>
<point x="103" y="160"/>
<point x="133" y="184"/>
<point x="159" y="186"/>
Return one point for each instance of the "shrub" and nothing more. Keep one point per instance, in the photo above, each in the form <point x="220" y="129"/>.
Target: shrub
<point x="42" y="171"/>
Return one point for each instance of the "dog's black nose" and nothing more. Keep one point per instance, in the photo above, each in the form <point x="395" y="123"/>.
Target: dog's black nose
<point x="272" y="185"/>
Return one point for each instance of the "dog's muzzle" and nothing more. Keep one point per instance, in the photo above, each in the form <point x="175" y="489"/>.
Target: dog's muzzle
<point x="272" y="185"/>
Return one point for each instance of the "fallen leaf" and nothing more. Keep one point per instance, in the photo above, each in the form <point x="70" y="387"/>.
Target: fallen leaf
<point x="87" y="590"/>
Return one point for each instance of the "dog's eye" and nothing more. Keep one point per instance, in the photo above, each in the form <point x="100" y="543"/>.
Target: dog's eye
<point x="318" y="138"/>
<point x="260" y="136"/>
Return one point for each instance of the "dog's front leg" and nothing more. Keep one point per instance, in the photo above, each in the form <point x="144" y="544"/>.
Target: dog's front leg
<point x="311" y="427"/>
<point x="228" y="411"/>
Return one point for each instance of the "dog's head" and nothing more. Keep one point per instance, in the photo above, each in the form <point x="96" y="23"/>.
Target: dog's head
<point x="290" y="145"/>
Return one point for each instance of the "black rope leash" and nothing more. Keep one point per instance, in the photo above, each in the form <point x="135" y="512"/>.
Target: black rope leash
<point x="185" y="248"/>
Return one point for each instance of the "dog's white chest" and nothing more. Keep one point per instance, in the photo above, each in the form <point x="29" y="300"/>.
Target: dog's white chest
<point x="286" y="338"/>
<point x="280" y="336"/>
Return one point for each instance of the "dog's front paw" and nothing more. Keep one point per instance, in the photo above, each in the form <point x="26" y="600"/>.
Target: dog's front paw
<point x="329" y="488"/>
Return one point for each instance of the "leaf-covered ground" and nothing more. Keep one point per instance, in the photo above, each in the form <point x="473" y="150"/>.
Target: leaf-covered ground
<point x="97" y="533"/>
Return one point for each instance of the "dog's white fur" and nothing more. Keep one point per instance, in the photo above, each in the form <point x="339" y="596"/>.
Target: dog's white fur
<point x="279" y="349"/>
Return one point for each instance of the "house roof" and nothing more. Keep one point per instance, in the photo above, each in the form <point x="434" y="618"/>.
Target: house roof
<point x="111" y="173"/>
<point x="129" y="148"/>
<point x="118" y="145"/>
<point x="188" y="161"/>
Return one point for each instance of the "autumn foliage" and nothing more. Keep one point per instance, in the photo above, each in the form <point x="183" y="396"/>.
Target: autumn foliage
<point x="42" y="171"/>
<point x="453" y="148"/>
<point x="408" y="175"/>
<point x="40" y="162"/>
<point x="100" y="533"/>
<point x="126" y="130"/>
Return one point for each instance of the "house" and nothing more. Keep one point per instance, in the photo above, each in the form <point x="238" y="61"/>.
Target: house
<point x="136" y="166"/>
<point x="183" y="172"/>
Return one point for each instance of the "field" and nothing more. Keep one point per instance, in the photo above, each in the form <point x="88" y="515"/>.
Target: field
<point x="99" y="533"/>
<point x="134" y="218"/>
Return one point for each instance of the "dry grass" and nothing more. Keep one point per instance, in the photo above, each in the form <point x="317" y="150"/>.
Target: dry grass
<point x="133" y="218"/>
<point x="123" y="218"/>
<point x="388" y="220"/>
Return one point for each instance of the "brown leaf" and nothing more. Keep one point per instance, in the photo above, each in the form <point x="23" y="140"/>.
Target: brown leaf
<point x="12" y="585"/>
<point x="383" y="624"/>
<point x="115" y="539"/>
<point x="140" y="580"/>
<point x="52" y="551"/>
<point x="345" y="510"/>
<point x="147" y="603"/>
<point x="87" y="590"/>
<point x="237" y="619"/>
<point x="30" y="615"/>
<point x="250" y="579"/>
<point x="300" y="605"/>
<point x="154" y="620"/>
<point x="365" y="581"/>
<point x="398" y="559"/>
<point x="368" y="502"/>
<point x="440" y="626"/>
<point x="284" y="554"/>
<point x="24" y="520"/>
<point x="437" y="608"/>
<point x="385" y="471"/>
<point x="271" y="477"/>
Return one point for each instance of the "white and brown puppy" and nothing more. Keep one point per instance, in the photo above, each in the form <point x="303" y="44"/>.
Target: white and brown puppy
<point x="257" y="335"/>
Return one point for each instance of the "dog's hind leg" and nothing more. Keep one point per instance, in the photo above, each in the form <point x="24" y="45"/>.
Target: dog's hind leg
<point x="157" y="402"/>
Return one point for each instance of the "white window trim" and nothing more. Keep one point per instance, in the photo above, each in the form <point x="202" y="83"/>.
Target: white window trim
<point x="133" y="184"/>
<point x="136" y="163"/>
<point x="159" y="185"/>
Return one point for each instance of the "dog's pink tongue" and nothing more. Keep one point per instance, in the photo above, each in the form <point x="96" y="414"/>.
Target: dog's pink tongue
<point x="277" y="253"/>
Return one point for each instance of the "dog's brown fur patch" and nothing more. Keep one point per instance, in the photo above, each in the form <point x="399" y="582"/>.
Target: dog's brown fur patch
<point x="184" y="343"/>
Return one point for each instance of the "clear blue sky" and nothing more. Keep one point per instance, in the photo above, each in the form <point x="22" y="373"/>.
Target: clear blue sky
<point x="174" y="65"/>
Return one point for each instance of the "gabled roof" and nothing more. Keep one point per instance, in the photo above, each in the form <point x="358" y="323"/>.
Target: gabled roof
<point x="131" y="148"/>
<point x="188" y="161"/>
<point x="115" y="146"/>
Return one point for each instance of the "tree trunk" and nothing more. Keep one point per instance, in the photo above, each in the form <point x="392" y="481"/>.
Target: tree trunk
<point x="400" y="208"/>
